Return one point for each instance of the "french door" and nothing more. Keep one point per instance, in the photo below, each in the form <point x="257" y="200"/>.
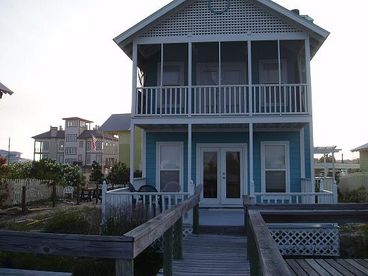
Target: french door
<point x="222" y="173"/>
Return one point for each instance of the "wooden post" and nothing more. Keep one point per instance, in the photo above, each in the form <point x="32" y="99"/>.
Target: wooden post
<point x="124" y="267"/>
<point x="178" y="239"/>
<point x="196" y="219"/>
<point x="24" y="201"/>
<point x="168" y="251"/>
<point x="97" y="192"/>
<point x="103" y="202"/>
<point x="53" y="196"/>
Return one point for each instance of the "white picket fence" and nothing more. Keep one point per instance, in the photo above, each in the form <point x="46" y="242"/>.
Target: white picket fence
<point x="35" y="190"/>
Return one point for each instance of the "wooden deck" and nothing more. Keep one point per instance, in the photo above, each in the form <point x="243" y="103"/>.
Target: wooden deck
<point x="335" y="267"/>
<point x="215" y="255"/>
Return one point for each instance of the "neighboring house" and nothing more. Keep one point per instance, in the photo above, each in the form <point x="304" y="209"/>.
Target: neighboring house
<point x="77" y="144"/>
<point x="363" y="157"/>
<point x="222" y="91"/>
<point x="4" y="90"/>
<point x="13" y="156"/>
<point x="119" y="124"/>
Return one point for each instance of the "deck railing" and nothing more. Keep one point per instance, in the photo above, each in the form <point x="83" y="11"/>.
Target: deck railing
<point x="261" y="99"/>
<point x="323" y="197"/>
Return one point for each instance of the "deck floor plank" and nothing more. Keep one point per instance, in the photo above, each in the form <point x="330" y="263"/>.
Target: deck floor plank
<point x="338" y="267"/>
<point x="325" y="267"/>
<point x="358" y="266"/>
<point x="214" y="255"/>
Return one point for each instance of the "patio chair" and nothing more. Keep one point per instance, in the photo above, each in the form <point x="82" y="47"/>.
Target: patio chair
<point x="150" y="189"/>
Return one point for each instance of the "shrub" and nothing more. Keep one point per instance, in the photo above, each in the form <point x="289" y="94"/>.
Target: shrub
<point x="119" y="174"/>
<point x="359" y="195"/>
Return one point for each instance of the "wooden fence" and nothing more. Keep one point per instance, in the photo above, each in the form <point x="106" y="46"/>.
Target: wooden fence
<point x="121" y="248"/>
<point x="35" y="190"/>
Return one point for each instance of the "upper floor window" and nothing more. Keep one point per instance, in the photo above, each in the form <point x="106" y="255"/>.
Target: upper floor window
<point x="72" y="123"/>
<point x="71" y="137"/>
<point x="70" y="150"/>
<point x="81" y="144"/>
<point x="45" y="145"/>
<point x="61" y="146"/>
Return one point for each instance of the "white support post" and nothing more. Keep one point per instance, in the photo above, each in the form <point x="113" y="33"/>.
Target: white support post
<point x="143" y="153"/>
<point x="189" y="79"/>
<point x="132" y="150"/>
<point x="251" y="180"/>
<point x="302" y="153"/>
<point x="134" y="80"/>
<point x="309" y="89"/>
<point x="190" y="182"/>
<point x="250" y="97"/>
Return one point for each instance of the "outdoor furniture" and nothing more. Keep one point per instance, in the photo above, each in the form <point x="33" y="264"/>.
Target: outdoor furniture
<point x="172" y="186"/>
<point x="68" y="190"/>
<point x="86" y="193"/>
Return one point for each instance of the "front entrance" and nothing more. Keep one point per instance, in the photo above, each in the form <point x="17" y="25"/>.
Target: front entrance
<point x="222" y="171"/>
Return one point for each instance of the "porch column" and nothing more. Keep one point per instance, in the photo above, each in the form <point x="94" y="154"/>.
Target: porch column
<point x="132" y="151"/>
<point x="251" y="179"/>
<point x="190" y="79"/>
<point x="309" y="90"/>
<point x="190" y="186"/>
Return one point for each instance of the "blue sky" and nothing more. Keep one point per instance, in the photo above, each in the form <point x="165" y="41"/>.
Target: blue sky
<point x="59" y="59"/>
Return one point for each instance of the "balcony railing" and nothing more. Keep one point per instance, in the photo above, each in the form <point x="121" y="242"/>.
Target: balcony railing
<point x="261" y="99"/>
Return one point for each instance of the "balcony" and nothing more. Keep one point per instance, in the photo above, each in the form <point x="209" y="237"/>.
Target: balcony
<point x="222" y="100"/>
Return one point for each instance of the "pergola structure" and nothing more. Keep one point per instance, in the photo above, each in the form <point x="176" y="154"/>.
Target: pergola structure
<point x="325" y="151"/>
<point x="4" y="90"/>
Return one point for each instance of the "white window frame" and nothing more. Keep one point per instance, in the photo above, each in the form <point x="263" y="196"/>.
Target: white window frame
<point x="181" y="160"/>
<point x="287" y="163"/>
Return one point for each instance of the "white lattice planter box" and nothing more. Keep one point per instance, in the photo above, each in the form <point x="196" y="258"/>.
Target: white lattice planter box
<point x="306" y="239"/>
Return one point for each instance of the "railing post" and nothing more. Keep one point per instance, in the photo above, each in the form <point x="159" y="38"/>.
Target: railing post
<point x="196" y="219"/>
<point x="334" y="191"/>
<point x="24" y="201"/>
<point x="168" y="251"/>
<point x="178" y="239"/>
<point x="124" y="267"/>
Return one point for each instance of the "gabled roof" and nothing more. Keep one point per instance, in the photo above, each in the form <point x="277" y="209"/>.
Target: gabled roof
<point x="4" y="90"/>
<point x="117" y="122"/>
<point x="60" y="134"/>
<point x="124" y="40"/>
<point x="361" y="148"/>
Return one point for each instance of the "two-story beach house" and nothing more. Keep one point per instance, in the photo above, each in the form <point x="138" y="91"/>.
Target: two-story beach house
<point x="222" y="90"/>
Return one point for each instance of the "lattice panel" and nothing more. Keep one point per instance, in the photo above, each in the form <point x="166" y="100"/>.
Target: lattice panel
<point x="240" y="17"/>
<point x="307" y="241"/>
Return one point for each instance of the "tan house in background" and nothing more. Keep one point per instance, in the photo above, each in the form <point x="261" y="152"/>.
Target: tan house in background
<point x="363" y="156"/>
<point x="119" y="124"/>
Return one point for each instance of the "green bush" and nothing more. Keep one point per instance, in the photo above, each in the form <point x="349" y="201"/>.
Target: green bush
<point x="119" y="174"/>
<point x="359" y="195"/>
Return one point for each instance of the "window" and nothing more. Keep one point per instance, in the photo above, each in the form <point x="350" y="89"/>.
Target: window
<point x="45" y="145"/>
<point x="70" y="150"/>
<point x="80" y="157"/>
<point x="275" y="167"/>
<point x="71" y="137"/>
<point x="98" y="145"/>
<point x="88" y="159"/>
<point x="170" y="165"/>
<point x="72" y="123"/>
<point x="81" y="144"/>
<point x="89" y="145"/>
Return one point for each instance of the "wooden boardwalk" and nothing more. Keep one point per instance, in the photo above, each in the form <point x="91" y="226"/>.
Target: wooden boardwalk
<point x="215" y="255"/>
<point x="327" y="267"/>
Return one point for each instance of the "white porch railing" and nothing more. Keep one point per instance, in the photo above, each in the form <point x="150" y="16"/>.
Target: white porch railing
<point x="324" y="197"/>
<point x="263" y="99"/>
<point x="156" y="201"/>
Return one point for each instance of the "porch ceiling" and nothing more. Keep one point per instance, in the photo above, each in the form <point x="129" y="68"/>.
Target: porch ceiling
<point x="222" y="127"/>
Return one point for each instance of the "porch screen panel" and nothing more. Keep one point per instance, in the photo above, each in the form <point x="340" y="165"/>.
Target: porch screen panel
<point x="294" y="93"/>
<point x="147" y="79"/>
<point x="210" y="172"/>
<point x="233" y="78"/>
<point x="170" y="166"/>
<point x="205" y="77"/>
<point x="275" y="168"/>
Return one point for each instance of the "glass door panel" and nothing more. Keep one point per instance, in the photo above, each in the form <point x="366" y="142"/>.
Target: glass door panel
<point x="233" y="174"/>
<point x="210" y="172"/>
